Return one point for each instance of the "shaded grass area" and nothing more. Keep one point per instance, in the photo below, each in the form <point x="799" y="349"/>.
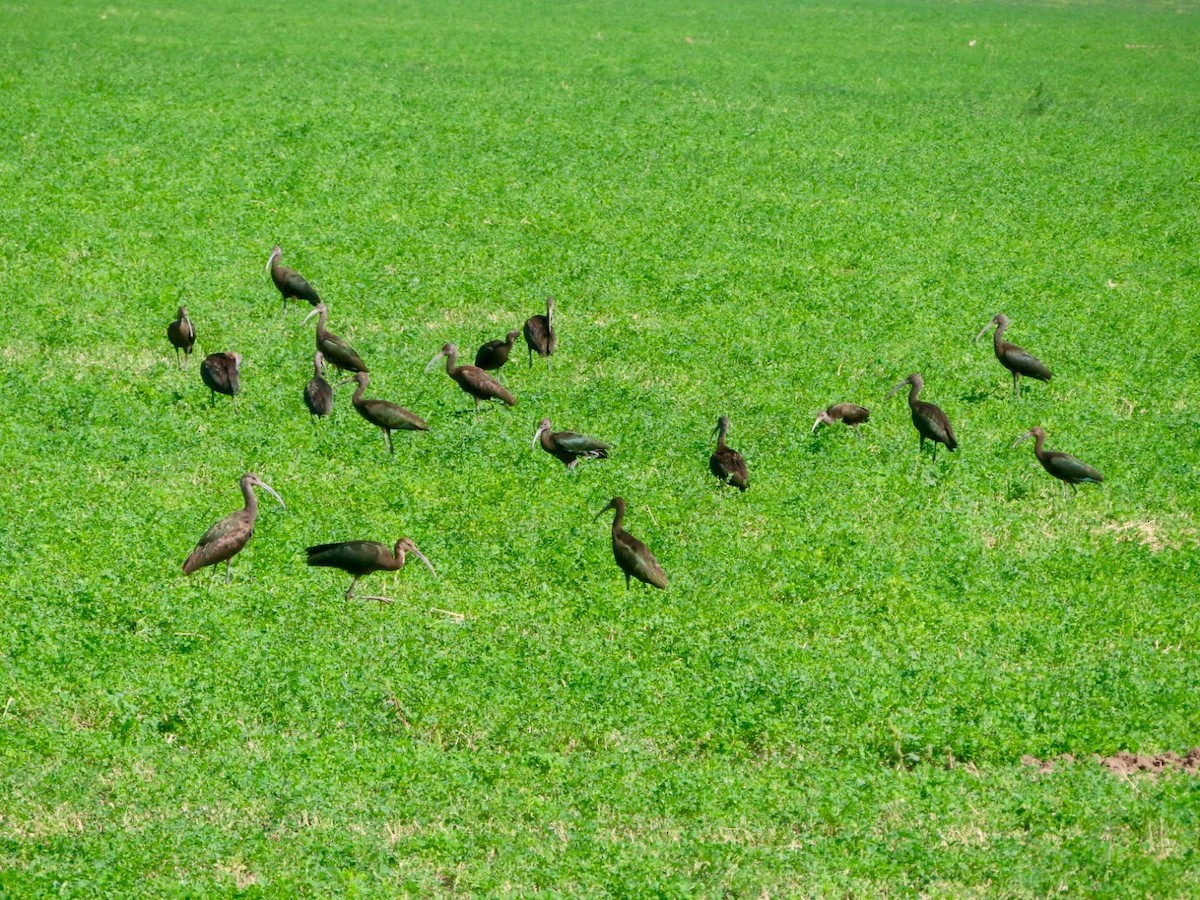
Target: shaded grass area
<point x="752" y="211"/>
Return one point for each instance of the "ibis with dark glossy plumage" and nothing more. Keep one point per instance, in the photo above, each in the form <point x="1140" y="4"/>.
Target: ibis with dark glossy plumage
<point x="633" y="557"/>
<point x="492" y="356"/>
<point x="182" y="335"/>
<point x="1063" y="466"/>
<point x="568" y="447"/>
<point x="290" y="283"/>
<point x="850" y="413"/>
<point x="472" y="379"/>
<point x="540" y="336"/>
<point x="335" y="350"/>
<point x="221" y="372"/>
<point x="318" y="394"/>
<point x="929" y="420"/>
<point x="359" y="558"/>
<point x="1016" y="360"/>
<point x="383" y="414"/>
<point x="225" y="539"/>
<point x="726" y="463"/>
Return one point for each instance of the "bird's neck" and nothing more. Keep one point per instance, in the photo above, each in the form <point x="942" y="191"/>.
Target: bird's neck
<point x="998" y="336"/>
<point x="358" y="392"/>
<point x="912" y="394"/>
<point x="451" y="363"/>
<point x="617" y="519"/>
<point x="251" y="500"/>
<point x="721" y="439"/>
<point x="1038" y="441"/>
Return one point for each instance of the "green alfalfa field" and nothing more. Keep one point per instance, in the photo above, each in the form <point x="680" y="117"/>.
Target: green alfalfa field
<point x="742" y="209"/>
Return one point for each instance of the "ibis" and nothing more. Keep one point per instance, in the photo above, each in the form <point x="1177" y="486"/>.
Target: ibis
<point x="384" y="415"/>
<point x="318" y="395"/>
<point x="359" y="558"/>
<point x="494" y="354"/>
<point x="539" y="334"/>
<point x="182" y="334"/>
<point x="1019" y="362"/>
<point x="929" y="420"/>
<point x="221" y="372"/>
<point x="726" y="463"/>
<point x="633" y="557"/>
<point x="850" y="413"/>
<point x="335" y="350"/>
<point x="226" y="538"/>
<point x="472" y="379"/>
<point x="1063" y="466"/>
<point x="568" y="446"/>
<point x="291" y="284"/>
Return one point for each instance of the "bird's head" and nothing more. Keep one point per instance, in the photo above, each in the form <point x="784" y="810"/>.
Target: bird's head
<point x="914" y="379"/>
<point x="617" y="503"/>
<point x="722" y="426"/>
<point x="237" y="361"/>
<point x="1036" y="432"/>
<point x="450" y="351"/>
<point x="181" y="313"/>
<point x="511" y="336"/>
<point x="1000" y="320"/>
<point x="250" y="478"/>
<point x="406" y="545"/>
<point x="823" y="417"/>
<point x="316" y="311"/>
<point x="318" y="360"/>
<point x="543" y="425"/>
<point x="276" y="252"/>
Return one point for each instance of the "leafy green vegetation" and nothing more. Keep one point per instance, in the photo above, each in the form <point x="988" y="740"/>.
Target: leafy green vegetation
<point x="751" y="210"/>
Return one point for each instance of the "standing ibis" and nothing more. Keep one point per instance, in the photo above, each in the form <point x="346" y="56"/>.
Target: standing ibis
<point x="929" y="420"/>
<point x="726" y="463"/>
<point x="632" y="556"/>
<point x="182" y="334"/>
<point x="384" y="415"/>
<point x="1019" y="362"/>
<point x="291" y="284"/>
<point x="1062" y="466"/>
<point x="568" y="446"/>
<point x="540" y="336"/>
<point x="226" y="538"/>
<point x="335" y="350"/>
<point x="359" y="558"/>
<point x="318" y="395"/>
<point x="494" y="354"/>
<point x="472" y="379"/>
<point x="220" y="371"/>
<point x="850" y="413"/>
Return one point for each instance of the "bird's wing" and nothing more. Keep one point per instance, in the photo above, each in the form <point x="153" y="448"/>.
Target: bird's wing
<point x="638" y="560"/>
<point x="345" y="553"/>
<point x="1066" y="466"/>
<point x="577" y="443"/>
<point x="1025" y="362"/>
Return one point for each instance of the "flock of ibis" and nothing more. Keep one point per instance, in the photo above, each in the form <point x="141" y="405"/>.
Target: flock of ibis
<point x="220" y="373"/>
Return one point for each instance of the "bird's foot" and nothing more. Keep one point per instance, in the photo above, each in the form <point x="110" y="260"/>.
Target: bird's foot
<point x="375" y="597"/>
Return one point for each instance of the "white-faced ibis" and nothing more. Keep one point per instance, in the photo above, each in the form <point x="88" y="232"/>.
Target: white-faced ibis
<point x="1019" y="362"/>
<point x="725" y="463"/>
<point x="291" y="284"/>
<point x="318" y="395"/>
<point x="494" y="354"/>
<point x="384" y="415"/>
<point x="540" y="336"/>
<point x="227" y="537"/>
<point x="568" y="446"/>
<point x="335" y="350"/>
<point x="1063" y="466"/>
<point x="220" y="371"/>
<point x="472" y="379"/>
<point x="929" y="420"/>
<point x="632" y="556"/>
<point x="850" y="413"/>
<point x="182" y="334"/>
<point x="359" y="558"/>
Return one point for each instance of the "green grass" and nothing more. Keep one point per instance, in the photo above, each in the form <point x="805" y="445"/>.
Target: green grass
<point x="752" y="210"/>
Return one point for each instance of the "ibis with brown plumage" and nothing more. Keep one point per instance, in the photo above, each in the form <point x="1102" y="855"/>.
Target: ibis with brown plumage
<point x="929" y="420"/>
<point x="1016" y="360"/>
<point x="472" y="379"/>
<point x="359" y="558"/>
<point x="221" y="372"/>
<point x="1063" y="466"/>
<point x="568" y="447"/>
<point x="290" y="283"/>
<point x="726" y="463"/>
<point x="225" y="539"/>
<point x="318" y="394"/>
<point x="386" y="416"/>
<point x="850" y="413"/>
<point x="540" y="336"/>
<point x="492" y="356"/>
<point x="182" y="335"/>
<point x="335" y="350"/>
<point x="633" y="557"/>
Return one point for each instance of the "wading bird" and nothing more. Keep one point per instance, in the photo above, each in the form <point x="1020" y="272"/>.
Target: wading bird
<point x="494" y="354"/>
<point x="291" y="284"/>
<point x="335" y="350"/>
<point x="221" y="372"/>
<point x="359" y="558"/>
<point x="850" y="413"/>
<point x="226" y="538"/>
<point x="472" y="379"/>
<point x="318" y="395"/>
<point x="632" y="556"/>
<point x="182" y="334"/>
<point x="1063" y="466"/>
<point x="568" y="446"/>
<point x="725" y="463"/>
<point x="384" y="415"/>
<point x="540" y="336"/>
<point x="929" y="420"/>
<point x="1019" y="362"/>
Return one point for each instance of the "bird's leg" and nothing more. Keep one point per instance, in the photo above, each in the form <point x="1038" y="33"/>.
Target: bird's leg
<point x="476" y="404"/>
<point x="350" y="590"/>
<point x="387" y="439"/>
<point x="531" y="357"/>
<point x="572" y="463"/>
<point x="228" y="570"/>
<point x="626" y="581"/>
<point x="1016" y="384"/>
<point x="380" y="599"/>
<point x="935" y="445"/>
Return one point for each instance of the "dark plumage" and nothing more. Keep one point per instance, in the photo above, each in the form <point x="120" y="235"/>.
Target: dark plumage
<point x="1063" y="466"/>
<point x="632" y="556"/>
<point x="359" y="558"/>
<point x="929" y="420"/>
<point x="472" y="379"/>
<point x="291" y="284"/>
<point x="335" y="350"/>
<point x="1019" y="362"/>
<point x="540" y="337"/>
<point x="384" y="415"/>
<point x="494" y="354"/>
<point x="221" y="372"/>
<point x="567" y="446"/>
<point x="182" y="334"/>
<point x="226" y="538"/>
<point x="850" y="413"/>
<point x="318" y="395"/>
<point x="725" y="463"/>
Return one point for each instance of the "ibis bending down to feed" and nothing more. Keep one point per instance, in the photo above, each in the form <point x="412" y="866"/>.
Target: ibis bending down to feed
<point x="727" y="464"/>
<point x="632" y="556"/>
<point x="359" y="558"/>
<point x="850" y="413"/>
<point x="494" y="354"/>
<point x="318" y="395"/>
<point x="221" y="372"/>
<point x="227" y="537"/>
<point x="335" y="350"/>
<point x="928" y="419"/>
<point x="384" y="415"/>
<point x="182" y="334"/>
<point x="539" y="334"/>
<point x="1019" y="362"/>
<point x="291" y="284"/>
<point x="1062" y="466"/>
<point x="568" y="446"/>
<point x="472" y="379"/>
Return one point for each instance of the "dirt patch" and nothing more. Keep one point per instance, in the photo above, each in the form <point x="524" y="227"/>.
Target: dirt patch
<point x="1127" y="764"/>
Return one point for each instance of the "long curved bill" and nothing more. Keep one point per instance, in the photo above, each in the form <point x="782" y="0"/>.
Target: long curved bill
<point x="421" y="556"/>
<point x="820" y="419"/>
<point x="429" y="366"/>
<point x="896" y="388"/>
<point x="310" y="315"/>
<point x="985" y="329"/>
<point x="270" y="490"/>
<point x="537" y="437"/>
<point x="1026" y="436"/>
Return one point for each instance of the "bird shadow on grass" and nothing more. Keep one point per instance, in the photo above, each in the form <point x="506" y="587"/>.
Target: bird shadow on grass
<point x="977" y="396"/>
